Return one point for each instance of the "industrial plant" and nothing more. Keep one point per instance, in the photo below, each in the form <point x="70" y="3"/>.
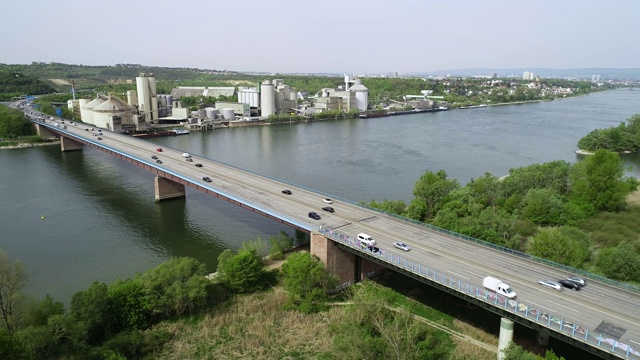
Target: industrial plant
<point x="144" y="108"/>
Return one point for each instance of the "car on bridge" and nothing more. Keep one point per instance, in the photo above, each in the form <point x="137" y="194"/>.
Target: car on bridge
<point x="327" y="201"/>
<point x="286" y="192"/>
<point x="206" y="178"/>
<point x="328" y="209"/>
<point x="314" y="215"/>
<point x="198" y="165"/>
<point x="401" y="246"/>
<point x="550" y="283"/>
<point x="159" y="161"/>
<point x="578" y="280"/>
<point x="569" y="284"/>
<point x="154" y="157"/>
<point x="158" y="149"/>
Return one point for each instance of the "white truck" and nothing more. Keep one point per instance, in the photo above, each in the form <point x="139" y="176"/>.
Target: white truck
<point x="499" y="287"/>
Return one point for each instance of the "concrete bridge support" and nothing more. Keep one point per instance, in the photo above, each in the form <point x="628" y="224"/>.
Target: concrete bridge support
<point x="166" y="189"/>
<point x="43" y="132"/>
<point x="339" y="262"/>
<point x="67" y="144"/>
<point x="505" y="337"/>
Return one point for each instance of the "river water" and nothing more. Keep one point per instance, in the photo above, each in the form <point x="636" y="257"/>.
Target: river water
<point x="101" y="222"/>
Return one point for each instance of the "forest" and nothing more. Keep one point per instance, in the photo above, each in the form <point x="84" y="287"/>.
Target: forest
<point x="572" y="214"/>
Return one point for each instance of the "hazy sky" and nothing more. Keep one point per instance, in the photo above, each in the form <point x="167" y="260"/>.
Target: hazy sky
<point x="335" y="36"/>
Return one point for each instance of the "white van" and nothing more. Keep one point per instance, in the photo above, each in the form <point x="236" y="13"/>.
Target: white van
<point x="366" y="239"/>
<point x="186" y="155"/>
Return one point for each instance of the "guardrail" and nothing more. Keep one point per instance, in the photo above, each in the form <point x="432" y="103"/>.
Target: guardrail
<point x="537" y="315"/>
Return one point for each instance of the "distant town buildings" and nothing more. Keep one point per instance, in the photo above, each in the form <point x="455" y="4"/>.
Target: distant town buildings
<point x="595" y="78"/>
<point x="527" y="75"/>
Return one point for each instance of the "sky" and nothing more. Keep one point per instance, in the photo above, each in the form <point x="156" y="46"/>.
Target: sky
<point x="328" y="36"/>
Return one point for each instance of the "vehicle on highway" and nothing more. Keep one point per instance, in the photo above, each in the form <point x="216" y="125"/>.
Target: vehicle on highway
<point x="158" y="149"/>
<point x="327" y="201"/>
<point x="498" y="287"/>
<point x="189" y="159"/>
<point x="366" y="239"/>
<point x="91" y="129"/>
<point x="401" y="246"/>
<point x="328" y="208"/>
<point x="99" y="138"/>
<point x="186" y="155"/>
<point x="551" y="283"/>
<point x="286" y="192"/>
<point x="159" y="161"/>
<point x="154" y="157"/>
<point x="314" y="215"/>
<point x="578" y="280"/>
<point x="569" y="284"/>
<point x="86" y="129"/>
<point x="199" y="165"/>
<point x="373" y="249"/>
<point x="206" y="178"/>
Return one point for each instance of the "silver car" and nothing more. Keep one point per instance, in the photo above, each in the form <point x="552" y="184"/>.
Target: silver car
<point x="401" y="246"/>
<point x="551" y="283"/>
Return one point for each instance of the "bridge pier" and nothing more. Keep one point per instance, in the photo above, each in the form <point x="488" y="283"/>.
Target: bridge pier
<point x="505" y="337"/>
<point x="339" y="262"/>
<point x="543" y="338"/>
<point x="67" y="144"/>
<point x="43" y="132"/>
<point x="166" y="189"/>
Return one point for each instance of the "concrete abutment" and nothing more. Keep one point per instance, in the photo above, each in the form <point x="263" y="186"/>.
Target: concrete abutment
<point x="166" y="189"/>
<point x="67" y="144"/>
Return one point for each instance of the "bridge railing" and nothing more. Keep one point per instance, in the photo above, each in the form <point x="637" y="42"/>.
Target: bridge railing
<point x="536" y="314"/>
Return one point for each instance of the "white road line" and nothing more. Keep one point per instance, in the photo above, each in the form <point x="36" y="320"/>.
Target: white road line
<point x="566" y="307"/>
<point x="462" y="276"/>
<point x="540" y="306"/>
<point x="471" y="272"/>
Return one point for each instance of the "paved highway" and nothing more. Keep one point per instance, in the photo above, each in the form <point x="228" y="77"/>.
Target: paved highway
<point x="465" y="260"/>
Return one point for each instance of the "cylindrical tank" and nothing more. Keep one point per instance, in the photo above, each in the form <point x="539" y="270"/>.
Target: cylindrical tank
<point x="362" y="100"/>
<point x="210" y="112"/>
<point x="228" y="114"/>
<point x="267" y="98"/>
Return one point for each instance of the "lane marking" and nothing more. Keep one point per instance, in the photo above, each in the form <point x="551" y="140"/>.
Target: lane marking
<point x="462" y="276"/>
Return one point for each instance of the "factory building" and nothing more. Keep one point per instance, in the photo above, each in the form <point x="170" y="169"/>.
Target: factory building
<point x="207" y="91"/>
<point x="146" y="94"/>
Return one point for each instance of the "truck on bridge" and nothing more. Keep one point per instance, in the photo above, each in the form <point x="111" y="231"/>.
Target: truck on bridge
<point x="499" y="287"/>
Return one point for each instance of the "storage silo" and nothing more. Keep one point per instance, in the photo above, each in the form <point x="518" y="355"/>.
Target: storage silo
<point x="362" y="95"/>
<point x="147" y="97"/>
<point x="210" y="112"/>
<point x="132" y="97"/>
<point x="267" y="98"/>
<point x="228" y="114"/>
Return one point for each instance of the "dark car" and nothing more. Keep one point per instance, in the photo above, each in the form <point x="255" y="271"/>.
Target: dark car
<point x="199" y="165"/>
<point x="159" y="161"/>
<point x="373" y="249"/>
<point x="328" y="208"/>
<point x="99" y="138"/>
<point x="578" y="280"/>
<point x="569" y="284"/>
<point x="314" y="215"/>
<point x="287" y="192"/>
<point x="154" y="157"/>
<point x="207" y="179"/>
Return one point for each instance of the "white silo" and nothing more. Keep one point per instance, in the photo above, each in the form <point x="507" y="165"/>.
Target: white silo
<point x="267" y="98"/>
<point x="210" y="112"/>
<point x="228" y="114"/>
<point x="362" y="95"/>
<point x="147" y="97"/>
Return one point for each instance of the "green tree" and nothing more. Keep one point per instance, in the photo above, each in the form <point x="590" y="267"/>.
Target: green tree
<point x="242" y="272"/>
<point x="621" y="262"/>
<point x="40" y="314"/>
<point x="128" y="305"/>
<point x="564" y="245"/>
<point x="598" y="180"/>
<point x="307" y="281"/>
<point x="543" y="207"/>
<point x="13" y="123"/>
<point x="91" y="308"/>
<point x="13" y="278"/>
<point x="393" y="207"/>
<point x="11" y="347"/>
<point x="431" y="192"/>
<point x="175" y="287"/>
<point x="279" y="245"/>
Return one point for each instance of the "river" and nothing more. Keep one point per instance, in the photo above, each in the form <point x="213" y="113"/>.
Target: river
<point x="101" y="222"/>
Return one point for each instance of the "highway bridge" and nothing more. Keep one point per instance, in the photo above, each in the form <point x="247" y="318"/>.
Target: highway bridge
<point x="601" y="318"/>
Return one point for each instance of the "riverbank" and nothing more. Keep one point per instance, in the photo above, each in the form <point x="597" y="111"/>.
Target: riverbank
<point x="20" y="145"/>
